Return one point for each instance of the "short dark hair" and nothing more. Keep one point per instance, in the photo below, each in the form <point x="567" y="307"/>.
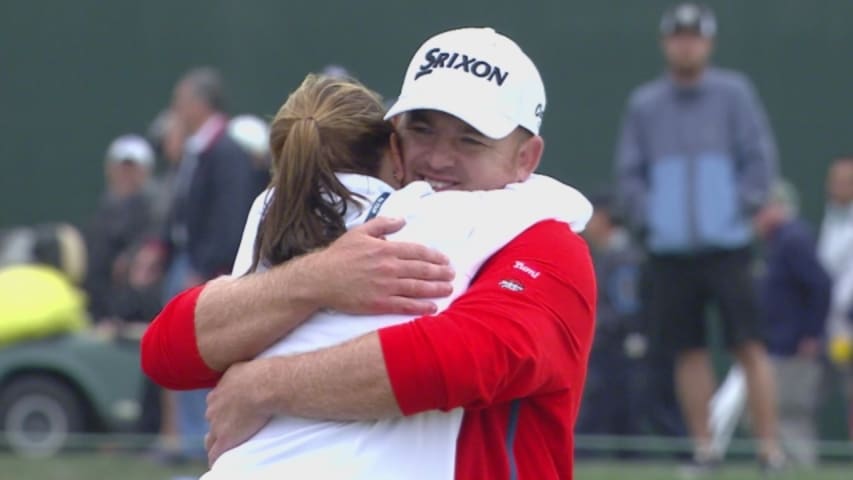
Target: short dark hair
<point x="207" y="84"/>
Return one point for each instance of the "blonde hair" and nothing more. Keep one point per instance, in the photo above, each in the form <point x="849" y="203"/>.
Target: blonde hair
<point x="326" y="126"/>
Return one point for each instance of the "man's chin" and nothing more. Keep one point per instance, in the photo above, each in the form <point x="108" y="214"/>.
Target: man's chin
<point x="687" y="70"/>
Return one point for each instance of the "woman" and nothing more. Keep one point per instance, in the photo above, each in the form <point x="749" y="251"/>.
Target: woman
<point x="336" y="164"/>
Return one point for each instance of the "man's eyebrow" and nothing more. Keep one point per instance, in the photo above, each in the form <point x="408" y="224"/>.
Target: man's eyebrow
<point x="418" y="116"/>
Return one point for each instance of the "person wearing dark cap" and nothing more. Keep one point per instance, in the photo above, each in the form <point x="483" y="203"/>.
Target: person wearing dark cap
<point x="694" y="163"/>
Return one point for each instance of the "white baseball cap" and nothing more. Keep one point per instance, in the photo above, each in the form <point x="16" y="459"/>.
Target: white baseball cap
<point x="477" y="75"/>
<point x="131" y="148"/>
<point x="251" y="133"/>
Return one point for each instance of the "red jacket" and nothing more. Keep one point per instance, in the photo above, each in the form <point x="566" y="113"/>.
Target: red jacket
<point x="512" y="351"/>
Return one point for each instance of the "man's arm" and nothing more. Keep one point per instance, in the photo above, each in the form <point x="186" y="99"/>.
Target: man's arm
<point x="756" y="151"/>
<point x="234" y="319"/>
<point x="815" y="282"/>
<point x="630" y="167"/>
<point x="509" y="336"/>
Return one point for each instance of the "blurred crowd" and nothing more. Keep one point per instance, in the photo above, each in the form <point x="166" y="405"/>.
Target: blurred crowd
<point x="699" y="218"/>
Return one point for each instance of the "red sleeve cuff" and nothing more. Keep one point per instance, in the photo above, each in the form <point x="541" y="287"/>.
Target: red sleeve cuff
<point x="412" y="369"/>
<point x="169" y="352"/>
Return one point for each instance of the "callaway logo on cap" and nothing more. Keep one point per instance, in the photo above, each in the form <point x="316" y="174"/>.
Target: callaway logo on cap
<point x="477" y="75"/>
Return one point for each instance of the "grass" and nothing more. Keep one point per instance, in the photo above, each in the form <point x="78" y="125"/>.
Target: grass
<point x="126" y="467"/>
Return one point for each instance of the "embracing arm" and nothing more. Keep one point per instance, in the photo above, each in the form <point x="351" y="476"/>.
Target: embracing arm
<point x="204" y="330"/>
<point x="494" y="344"/>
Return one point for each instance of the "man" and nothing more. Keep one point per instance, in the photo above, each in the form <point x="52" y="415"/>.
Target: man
<point x="694" y="162"/>
<point x="794" y="292"/>
<point x="122" y="219"/>
<point x="512" y="350"/>
<point x="616" y="397"/>
<point x="836" y="254"/>
<point x="214" y="189"/>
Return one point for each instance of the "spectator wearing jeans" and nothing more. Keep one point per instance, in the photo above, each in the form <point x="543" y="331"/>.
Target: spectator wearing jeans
<point x="214" y="189"/>
<point x="794" y="296"/>
<point x="694" y="162"/>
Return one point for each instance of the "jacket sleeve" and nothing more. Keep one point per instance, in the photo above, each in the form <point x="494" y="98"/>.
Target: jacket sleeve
<point x="631" y="170"/>
<point x="815" y="284"/>
<point x="229" y="195"/>
<point x="169" y="352"/>
<point x="755" y="148"/>
<point x="514" y="333"/>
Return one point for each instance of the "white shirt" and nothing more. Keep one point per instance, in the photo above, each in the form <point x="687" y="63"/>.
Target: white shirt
<point x="468" y="227"/>
<point x="835" y="250"/>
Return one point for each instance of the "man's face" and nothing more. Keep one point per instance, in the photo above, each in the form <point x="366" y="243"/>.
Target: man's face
<point x="187" y="107"/>
<point x="839" y="182"/>
<point x="126" y="178"/>
<point x="451" y="155"/>
<point x="687" y="52"/>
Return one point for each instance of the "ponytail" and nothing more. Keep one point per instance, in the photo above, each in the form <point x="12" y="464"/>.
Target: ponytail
<point x="327" y="126"/>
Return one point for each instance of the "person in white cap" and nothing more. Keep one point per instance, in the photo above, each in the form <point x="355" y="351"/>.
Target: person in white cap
<point x="123" y="216"/>
<point x="510" y="352"/>
<point x="253" y="135"/>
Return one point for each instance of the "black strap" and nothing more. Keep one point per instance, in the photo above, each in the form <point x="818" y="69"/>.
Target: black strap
<point x="377" y="205"/>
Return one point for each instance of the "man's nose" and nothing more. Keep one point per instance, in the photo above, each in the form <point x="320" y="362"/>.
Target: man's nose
<point x="440" y="156"/>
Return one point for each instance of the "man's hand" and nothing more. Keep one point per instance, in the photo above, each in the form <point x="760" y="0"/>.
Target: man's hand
<point x="232" y="411"/>
<point x="809" y="348"/>
<point x="362" y="273"/>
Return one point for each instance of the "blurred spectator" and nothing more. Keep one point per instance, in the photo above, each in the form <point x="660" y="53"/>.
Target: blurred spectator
<point x="629" y="390"/>
<point x="121" y="220"/>
<point x="253" y="134"/>
<point x="836" y="253"/>
<point x="214" y="186"/>
<point x="213" y="190"/>
<point x="615" y="393"/>
<point x="168" y="136"/>
<point x="794" y="292"/>
<point x="694" y="162"/>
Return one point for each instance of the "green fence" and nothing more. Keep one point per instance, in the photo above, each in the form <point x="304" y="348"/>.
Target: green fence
<point x="75" y="74"/>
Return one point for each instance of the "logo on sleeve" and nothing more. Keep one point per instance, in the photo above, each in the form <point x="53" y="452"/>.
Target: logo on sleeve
<point x="519" y="265"/>
<point x="511" y="285"/>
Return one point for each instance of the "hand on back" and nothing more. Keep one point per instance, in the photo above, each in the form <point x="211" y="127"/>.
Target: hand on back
<point x="362" y="273"/>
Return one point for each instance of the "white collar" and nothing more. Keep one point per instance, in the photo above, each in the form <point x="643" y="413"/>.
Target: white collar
<point x="206" y="133"/>
<point x="364" y="184"/>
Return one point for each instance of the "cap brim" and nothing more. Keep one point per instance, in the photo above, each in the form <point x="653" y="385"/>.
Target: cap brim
<point x="480" y="115"/>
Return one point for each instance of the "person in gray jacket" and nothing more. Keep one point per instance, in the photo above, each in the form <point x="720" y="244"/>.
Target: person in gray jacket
<point x="694" y="163"/>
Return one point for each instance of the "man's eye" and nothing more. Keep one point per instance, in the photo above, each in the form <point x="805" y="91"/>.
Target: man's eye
<point x="422" y="129"/>
<point x="471" y="141"/>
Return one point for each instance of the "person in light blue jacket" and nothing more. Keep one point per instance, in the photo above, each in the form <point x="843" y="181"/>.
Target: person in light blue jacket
<point x="694" y="163"/>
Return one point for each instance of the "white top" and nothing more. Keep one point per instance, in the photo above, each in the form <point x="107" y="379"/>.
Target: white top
<point x="835" y="250"/>
<point x="468" y="227"/>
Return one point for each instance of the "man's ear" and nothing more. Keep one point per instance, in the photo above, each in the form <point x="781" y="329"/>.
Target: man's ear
<point x="529" y="155"/>
<point x="396" y="152"/>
